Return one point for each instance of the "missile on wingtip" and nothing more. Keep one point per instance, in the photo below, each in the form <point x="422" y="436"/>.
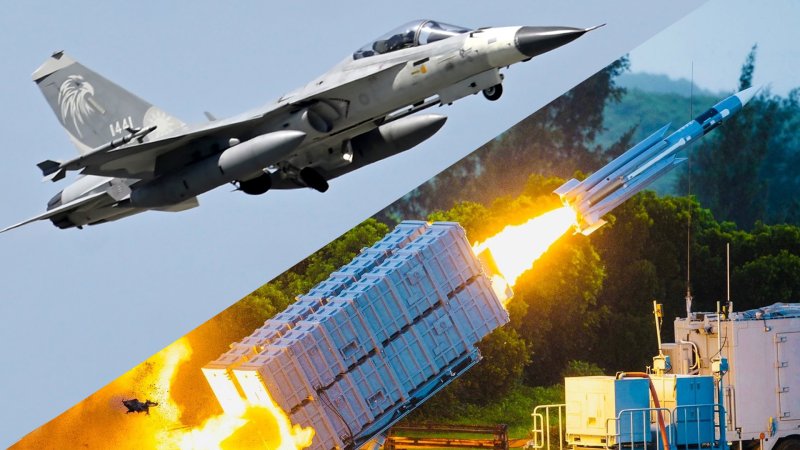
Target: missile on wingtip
<point x="642" y="164"/>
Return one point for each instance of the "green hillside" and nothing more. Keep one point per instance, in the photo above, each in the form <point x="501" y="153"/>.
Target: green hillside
<point x="649" y="111"/>
<point x="661" y="84"/>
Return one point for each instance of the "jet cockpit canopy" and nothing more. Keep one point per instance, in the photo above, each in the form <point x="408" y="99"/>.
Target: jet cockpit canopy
<point x="412" y="34"/>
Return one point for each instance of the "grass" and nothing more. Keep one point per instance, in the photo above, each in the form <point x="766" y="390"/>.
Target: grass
<point x="514" y="410"/>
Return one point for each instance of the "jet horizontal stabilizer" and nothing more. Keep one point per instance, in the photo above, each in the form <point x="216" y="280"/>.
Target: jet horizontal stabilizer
<point x="59" y="169"/>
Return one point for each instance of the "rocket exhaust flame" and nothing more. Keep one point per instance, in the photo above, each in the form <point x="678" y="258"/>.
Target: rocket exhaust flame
<point x="511" y="252"/>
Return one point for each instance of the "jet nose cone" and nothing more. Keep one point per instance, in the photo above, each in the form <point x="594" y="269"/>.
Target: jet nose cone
<point x="745" y="95"/>
<point x="533" y="41"/>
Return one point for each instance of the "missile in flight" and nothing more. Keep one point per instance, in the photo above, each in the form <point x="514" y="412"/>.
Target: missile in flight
<point x="641" y="165"/>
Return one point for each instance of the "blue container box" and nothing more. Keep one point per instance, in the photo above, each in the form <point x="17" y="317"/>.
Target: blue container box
<point x="328" y="288"/>
<point x="447" y="258"/>
<point x="410" y="360"/>
<point x="377" y="384"/>
<point x="293" y="313"/>
<point x="272" y="327"/>
<point x="440" y="337"/>
<point x="346" y="329"/>
<point x="350" y="407"/>
<point x="476" y="311"/>
<point x="283" y="377"/>
<point x="315" y="416"/>
<point x="265" y="336"/>
<point x="409" y="283"/>
<point x="383" y="312"/>
<point x="367" y="345"/>
<point x="405" y="232"/>
<point x="314" y="352"/>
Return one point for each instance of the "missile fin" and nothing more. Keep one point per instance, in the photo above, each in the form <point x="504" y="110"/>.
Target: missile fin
<point x="593" y="227"/>
<point x="566" y="187"/>
<point x="49" y="167"/>
<point x="52" y="170"/>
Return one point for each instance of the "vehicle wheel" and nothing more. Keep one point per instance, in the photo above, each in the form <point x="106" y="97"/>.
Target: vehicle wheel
<point x="788" y="443"/>
<point x="494" y="92"/>
<point x="750" y="444"/>
<point x="313" y="179"/>
<point x="256" y="186"/>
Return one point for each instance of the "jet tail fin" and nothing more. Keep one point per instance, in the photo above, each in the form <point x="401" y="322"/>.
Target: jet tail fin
<point x="92" y="109"/>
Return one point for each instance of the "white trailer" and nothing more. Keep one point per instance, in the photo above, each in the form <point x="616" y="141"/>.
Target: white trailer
<point x="758" y="353"/>
<point x="762" y="386"/>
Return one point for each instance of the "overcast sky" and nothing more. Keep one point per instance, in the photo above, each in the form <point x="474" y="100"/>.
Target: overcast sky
<point x="81" y="307"/>
<point x="717" y="38"/>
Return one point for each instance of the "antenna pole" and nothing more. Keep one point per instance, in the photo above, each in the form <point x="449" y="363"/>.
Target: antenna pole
<point x="728" y="276"/>
<point x="689" y="220"/>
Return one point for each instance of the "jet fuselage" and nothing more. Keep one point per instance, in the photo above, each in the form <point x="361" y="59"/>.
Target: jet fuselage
<point x="355" y="114"/>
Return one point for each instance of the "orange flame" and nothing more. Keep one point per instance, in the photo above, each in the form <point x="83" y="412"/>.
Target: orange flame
<point x="247" y="425"/>
<point x="256" y="427"/>
<point x="517" y="247"/>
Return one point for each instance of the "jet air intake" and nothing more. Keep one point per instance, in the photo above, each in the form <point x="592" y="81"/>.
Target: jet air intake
<point x="245" y="160"/>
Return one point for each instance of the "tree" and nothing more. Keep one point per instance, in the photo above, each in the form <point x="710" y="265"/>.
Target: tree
<point x="767" y="279"/>
<point x="562" y="317"/>
<point x="726" y="166"/>
<point x="505" y="355"/>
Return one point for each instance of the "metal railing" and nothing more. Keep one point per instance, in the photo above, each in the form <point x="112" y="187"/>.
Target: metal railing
<point x="631" y="429"/>
<point x="696" y="426"/>
<point x="543" y="417"/>
<point x="686" y="427"/>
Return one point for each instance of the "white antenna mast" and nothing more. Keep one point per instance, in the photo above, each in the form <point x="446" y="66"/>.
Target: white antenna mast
<point x="689" y="220"/>
<point x="728" y="276"/>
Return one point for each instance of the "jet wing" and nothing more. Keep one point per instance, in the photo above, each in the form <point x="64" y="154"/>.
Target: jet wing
<point x="176" y="150"/>
<point x="139" y="160"/>
<point x="71" y="206"/>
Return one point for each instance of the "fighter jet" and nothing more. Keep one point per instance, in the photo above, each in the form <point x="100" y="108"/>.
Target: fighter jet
<point x="135" y="157"/>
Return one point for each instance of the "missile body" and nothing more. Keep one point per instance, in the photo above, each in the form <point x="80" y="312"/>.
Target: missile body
<point x="641" y="165"/>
